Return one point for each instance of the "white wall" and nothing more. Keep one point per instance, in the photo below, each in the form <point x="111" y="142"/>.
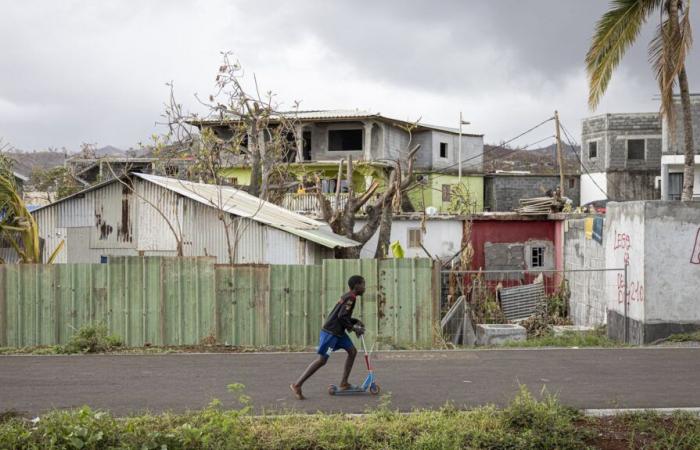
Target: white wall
<point x="624" y="239"/>
<point x="594" y="187"/>
<point x="442" y="238"/>
<point x="672" y="252"/>
<point x="674" y="164"/>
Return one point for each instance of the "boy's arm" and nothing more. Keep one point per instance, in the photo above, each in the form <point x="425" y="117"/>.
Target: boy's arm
<point x="345" y="315"/>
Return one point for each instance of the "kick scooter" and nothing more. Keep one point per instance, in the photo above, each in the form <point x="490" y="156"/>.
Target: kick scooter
<point x="369" y="385"/>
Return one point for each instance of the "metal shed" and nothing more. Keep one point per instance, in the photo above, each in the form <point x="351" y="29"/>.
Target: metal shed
<point x="147" y="215"/>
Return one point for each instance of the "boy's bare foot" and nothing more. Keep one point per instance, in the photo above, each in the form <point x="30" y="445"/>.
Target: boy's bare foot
<point x="297" y="391"/>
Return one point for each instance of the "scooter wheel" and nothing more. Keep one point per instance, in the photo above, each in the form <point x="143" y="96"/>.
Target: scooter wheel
<point x="332" y="389"/>
<point x="374" y="389"/>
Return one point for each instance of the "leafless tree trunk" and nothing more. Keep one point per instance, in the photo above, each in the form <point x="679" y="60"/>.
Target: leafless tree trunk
<point x="342" y="221"/>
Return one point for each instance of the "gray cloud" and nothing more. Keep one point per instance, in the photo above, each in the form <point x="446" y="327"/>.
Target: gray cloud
<point x="81" y="71"/>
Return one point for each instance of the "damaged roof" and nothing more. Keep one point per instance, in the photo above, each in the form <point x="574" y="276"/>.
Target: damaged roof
<point x="242" y="204"/>
<point x="321" y="115"/>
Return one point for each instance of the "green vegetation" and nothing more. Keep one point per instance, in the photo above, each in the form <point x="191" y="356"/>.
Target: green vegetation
<point x="684" y="337"/>
<point x="92" y="339"/>
<point x="595" y="338"/>
<point x="527" y="423"/>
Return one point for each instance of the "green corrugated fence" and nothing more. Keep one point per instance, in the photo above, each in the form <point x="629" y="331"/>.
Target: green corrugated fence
<point x="183" y="301"/>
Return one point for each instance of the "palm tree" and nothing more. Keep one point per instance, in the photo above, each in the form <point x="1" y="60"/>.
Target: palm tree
<point x="18" y="229"/>
<point x="617" y="30"/>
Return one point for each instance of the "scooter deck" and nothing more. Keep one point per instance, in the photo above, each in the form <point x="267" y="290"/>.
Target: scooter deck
<point x="349" y="391"/>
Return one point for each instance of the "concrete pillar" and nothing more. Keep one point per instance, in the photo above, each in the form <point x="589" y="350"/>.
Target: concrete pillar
<point x="664" y="180"/>
<point x="298" y="132"/>
<point x="367" y="144"/>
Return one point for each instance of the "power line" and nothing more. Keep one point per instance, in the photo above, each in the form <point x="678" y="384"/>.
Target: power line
<point x="495" y="147"/>
<point x="573" y="149"/>
<point x="505" y="155"/>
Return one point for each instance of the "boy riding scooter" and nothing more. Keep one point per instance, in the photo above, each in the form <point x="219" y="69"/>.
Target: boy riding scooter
<point x="333" y="336"/>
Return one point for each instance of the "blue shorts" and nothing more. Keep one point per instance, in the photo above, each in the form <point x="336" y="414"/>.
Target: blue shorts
<point x="328" y="343"/>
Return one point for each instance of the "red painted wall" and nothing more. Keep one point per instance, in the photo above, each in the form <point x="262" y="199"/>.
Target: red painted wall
<point x="509" y="231"/>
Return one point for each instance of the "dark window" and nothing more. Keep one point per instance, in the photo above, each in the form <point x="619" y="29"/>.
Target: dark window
<point x="446" y="192"/>
<point x="344" y="140"/>
<point x="675" y="186"/>
<point x="306" y="145"/>
<point x="443" y="149"/>
<point x="593" y="149"/>
<point x="572" y="183"/>
<point x="537" y="259"/>
<point x="414" y="237"/>
<point x="635" y="149"/>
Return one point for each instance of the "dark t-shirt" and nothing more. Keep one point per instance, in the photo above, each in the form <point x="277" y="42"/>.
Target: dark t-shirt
<point x="340" y="318"/>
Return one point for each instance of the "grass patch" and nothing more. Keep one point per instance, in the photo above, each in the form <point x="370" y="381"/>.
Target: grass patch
<point x="594" y="338"/>
<point x="684" y="337"/>
<point x="527" y="423"/>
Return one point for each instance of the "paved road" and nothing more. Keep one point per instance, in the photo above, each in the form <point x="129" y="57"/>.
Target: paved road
<point x="583" y="378"/>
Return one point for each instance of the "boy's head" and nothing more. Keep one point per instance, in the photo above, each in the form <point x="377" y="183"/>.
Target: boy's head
<point x="357" y="284"/>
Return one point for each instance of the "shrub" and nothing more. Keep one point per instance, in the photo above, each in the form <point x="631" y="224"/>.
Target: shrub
<point x="93" y="338"/>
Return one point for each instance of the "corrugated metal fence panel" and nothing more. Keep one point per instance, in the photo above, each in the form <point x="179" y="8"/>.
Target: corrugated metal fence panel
<point x="521" y="302"/>
<point x="243" y="304"/>
<point x="293" y="289"/>
<point x="181" y="301"/>
<point x="405" y="302"/>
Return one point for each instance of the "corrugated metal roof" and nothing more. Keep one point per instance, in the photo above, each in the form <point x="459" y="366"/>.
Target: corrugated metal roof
<point x="242" y="204"/>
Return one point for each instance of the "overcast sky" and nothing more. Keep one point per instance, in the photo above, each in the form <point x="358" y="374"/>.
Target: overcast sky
<point x="87" y="71"/>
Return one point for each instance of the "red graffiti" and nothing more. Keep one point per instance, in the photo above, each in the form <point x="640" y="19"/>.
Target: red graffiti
<point x="635" y="291"/>
<point x="623" y="241"/>
<point x="695" y="256"/>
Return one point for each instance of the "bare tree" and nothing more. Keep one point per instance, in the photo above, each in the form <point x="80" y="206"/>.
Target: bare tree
<point x="379" y="211"/>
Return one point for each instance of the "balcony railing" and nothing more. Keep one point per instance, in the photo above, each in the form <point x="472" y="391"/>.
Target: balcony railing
<point x="307" y="204"/>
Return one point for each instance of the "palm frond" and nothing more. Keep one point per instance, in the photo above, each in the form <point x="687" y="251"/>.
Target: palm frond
<point x="17" y="225"/>
<point x="667" y="54"/>
<point x="615" y="32"/>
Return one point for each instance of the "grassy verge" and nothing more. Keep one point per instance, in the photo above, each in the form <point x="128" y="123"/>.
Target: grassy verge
<point x="684" y="337"/>
<point x="568" y="339"/>
<point x="527" y="423"/>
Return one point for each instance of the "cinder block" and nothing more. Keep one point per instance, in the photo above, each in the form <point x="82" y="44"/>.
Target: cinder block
<point x="561" y="329"/>
<point x="497" y="334"/>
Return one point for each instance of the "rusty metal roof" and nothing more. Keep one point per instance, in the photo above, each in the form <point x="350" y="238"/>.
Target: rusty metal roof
<point x="242" y="204"/>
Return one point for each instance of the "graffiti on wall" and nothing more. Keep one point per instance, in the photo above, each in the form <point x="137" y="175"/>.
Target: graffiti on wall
<point x="635" y="289"/>
<point x="623" y="242"/>
<point x="695" y="256"/>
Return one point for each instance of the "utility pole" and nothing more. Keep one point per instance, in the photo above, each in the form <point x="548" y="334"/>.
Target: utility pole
<point x="459" y="153"/>
<point x="559" y="156"/>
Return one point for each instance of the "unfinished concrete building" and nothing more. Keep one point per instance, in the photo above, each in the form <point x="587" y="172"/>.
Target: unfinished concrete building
<point x="621" y="157"/>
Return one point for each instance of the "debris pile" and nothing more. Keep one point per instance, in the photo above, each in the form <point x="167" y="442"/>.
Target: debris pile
<point x="540" y="206"/>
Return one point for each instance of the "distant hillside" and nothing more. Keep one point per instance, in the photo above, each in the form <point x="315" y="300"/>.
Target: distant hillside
<point x="25" y="162"/>
<point x="540" y="160"/>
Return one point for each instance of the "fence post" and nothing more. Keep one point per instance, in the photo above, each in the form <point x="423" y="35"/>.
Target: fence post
<point x="626" y="313"/>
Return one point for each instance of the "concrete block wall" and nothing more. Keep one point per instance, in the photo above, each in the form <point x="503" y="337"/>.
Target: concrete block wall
<point x="612" y="131"/>
<point x="671" y="147"/>
<point x="660" y="242"/>
<point x="503" y="192"/>
<point x="587" y="304"/>
<point x="632" y="185"/>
